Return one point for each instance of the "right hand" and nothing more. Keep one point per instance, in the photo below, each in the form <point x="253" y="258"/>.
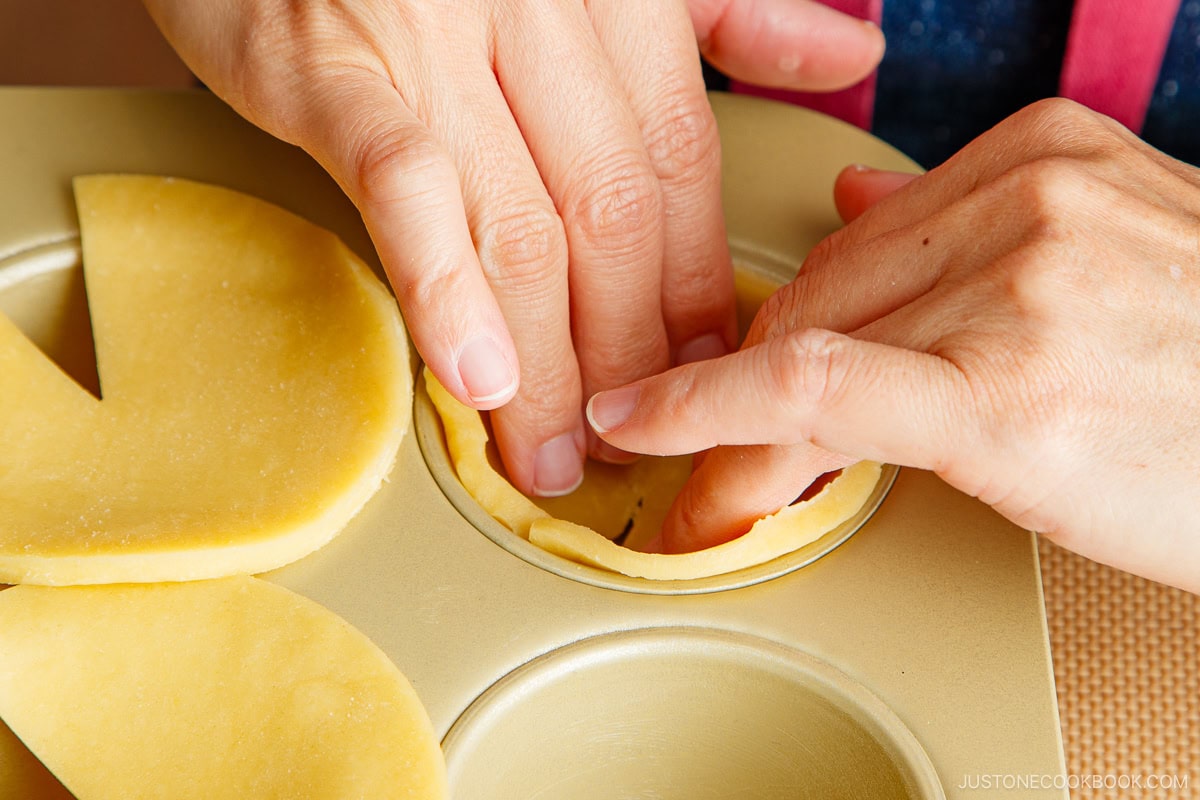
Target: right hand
<point x="1024" y="320"/>
<point x="541" y="179"/>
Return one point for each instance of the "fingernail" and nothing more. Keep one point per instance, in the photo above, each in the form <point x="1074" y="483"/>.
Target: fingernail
<point x="888" y="176"/>
<point x="874" y="30"/>
<point x="557" y="467"/>
<point x="702" y="348"/>
<point x="484" y="371"/>
<point x="608" y="410"/>
<point x="603" y="451"/>
<point x="790" y="62"/>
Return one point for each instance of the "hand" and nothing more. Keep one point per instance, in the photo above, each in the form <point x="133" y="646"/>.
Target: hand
<point x="541" y="179"/>
<point x="1023" y="320"/>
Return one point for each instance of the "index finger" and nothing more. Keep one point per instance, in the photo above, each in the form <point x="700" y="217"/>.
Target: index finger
<point x="407" y="189"/>
<point x="860" y="398"/>
<point x="588" y="148"/>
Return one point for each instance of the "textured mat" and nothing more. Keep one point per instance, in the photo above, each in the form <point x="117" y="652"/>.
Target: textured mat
<point x="1127" y="667"/>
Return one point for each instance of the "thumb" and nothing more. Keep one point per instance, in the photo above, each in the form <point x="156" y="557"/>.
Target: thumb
<point x="736" y="486"/>
<point x="857" y="398"/>
<point x="788" y="44"/>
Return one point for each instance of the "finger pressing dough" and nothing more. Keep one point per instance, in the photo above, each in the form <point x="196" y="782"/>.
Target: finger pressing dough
<point x="781" y="533"/>
<point x="255" y="387"/>
<point x="232" y="688"/>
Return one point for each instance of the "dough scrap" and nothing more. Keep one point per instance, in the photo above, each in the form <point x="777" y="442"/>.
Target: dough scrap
<point x="770" y="537"/>
<point x="231" y="688"/>
<point x="256" y="385"/>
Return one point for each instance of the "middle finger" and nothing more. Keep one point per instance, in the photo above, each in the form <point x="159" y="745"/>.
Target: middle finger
<point x="588" y="149"/>
<point x="522" y="250"/>
<point x="659" y="68"/>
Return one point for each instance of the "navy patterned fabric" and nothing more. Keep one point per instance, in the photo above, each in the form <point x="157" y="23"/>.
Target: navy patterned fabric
<point x="954" y="68"/>
<point x="1173" y="121"/>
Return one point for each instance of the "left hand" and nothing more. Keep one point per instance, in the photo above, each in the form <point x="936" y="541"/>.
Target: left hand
<point x="1023" y="320"/>
<point x="541" y="179"/>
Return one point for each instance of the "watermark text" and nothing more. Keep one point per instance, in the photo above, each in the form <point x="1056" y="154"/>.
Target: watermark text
<point x="1019" y="781"/>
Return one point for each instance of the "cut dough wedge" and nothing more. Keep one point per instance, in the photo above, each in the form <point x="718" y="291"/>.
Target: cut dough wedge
<point x="256" y="385"/>
<point x="769" y="538"/>
<point x="233" y="688"/>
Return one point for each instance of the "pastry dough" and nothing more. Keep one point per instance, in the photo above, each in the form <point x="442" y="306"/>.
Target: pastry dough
<point x="233" y="688"/>
<point x="790" y="529"/>
<point x="769" y="538"/>
<point x="628" y="502"/>
<point x="255" y="382"/>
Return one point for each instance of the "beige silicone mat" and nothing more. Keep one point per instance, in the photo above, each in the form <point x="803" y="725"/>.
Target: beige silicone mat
<point x="1127" y="667"/>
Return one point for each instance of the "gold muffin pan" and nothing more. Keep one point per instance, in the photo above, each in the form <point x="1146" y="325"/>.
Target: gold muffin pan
<point x="891" y="663"/>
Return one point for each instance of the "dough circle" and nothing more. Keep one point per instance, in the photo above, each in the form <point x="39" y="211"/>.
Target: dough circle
<point x="231" y="688"/>
<point x="255" y="381"/>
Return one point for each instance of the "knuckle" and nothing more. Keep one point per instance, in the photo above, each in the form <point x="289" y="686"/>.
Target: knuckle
<point x="618" y="207"/>
<point x="429" y="287"/>
<point x="1067" y="127"/>
<point x="772" y="317"/>
<point x="1062" y="118"/>
<point x="1035" y="279"/>
<point x="291" y="73"/>
<point x="1054" y="112"/>
<point x="825" y="252"/>
<point x="684" y="141"/>
<point x="523" y="246"/>
<point x="805" y="368"/>
<point x="1045" y="190"/>
<point x="270" y="47"/>
<point x="822" y="253"/>
<point x="786" y="310"/>
<point x="390" y="165"/>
